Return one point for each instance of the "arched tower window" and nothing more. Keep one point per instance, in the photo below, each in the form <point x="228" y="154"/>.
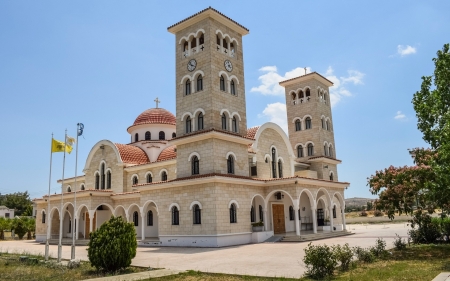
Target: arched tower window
<point x="224" y="121"/>
<point x="188" y="125"/>
<point x="194" y="43"/>
<point x="149" y="178"/>
<point x="164" y="176"/>
<point x="308" y="94"/>
<point x="201" y="39"/>
<point x="43" y="216"/>
<point x="97" y="181"/>
<point x="294" y="96"/>
<point x="234" y="124"/>
<point x="232" y="88"/>
<point x="103" y="176"/>
<point x="308" y="123"/>
<point x="328" y="125"/>
<point x="225" y="43"/>
<point x="274" y="163"/>
<point x="323" y="123"/>
<point x="136" y="137"/>
<point x="310" y="149"/>
<point x="233" y="213"/>
<point x="147" y="135"/>
<point x="82" y="187"/>
<point x="69" y="189"/>
<point x="325" y="98"/>
<point x="200" y="121"/>
<point x="187" y="87"/>
<point x="174" y="135"/>
<point x="197" y="214"/>
<point x="301" y="95"/>
<point x="291" y="213"/>
<point x="108" y="179"/>
<point x="334" y="212"/>
<point x="232" y="50"/>
<point x="135" y="180"/>
<point x="298" y="125"/>
<point x="185" y="46"/>
<point x="330" y="151"/>
<point x="175" y="216"/>
<point x="162" y="135"/>
<point x="222" y="83"/>
<point x="195" y="165"/>
<point x="300" y="151"/>
<point x="252" y="214"/>
<point x="230" y="164"/>
<point x="150" y="218"/>
<point x="325" y="150"/>
<point x="280" y="169"/>
<point x="331" y="177"/>
<point x="136" y="219"/>
<point x="261" y="213"/>
<point x="199" y="83"/>
<point x="217" y="40"/>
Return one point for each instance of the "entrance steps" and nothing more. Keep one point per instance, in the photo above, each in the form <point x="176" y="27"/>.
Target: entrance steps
<point x="67" y="242"/>
<point x="317" y="236"/>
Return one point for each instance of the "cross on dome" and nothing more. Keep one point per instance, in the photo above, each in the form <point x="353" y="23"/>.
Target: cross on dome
<point x="157" y="101"/>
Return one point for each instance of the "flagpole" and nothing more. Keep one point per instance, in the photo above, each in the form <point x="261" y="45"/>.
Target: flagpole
<point x="61" y="217"/>
<point x="47" y="216"/>
<point x="75" y="214"/>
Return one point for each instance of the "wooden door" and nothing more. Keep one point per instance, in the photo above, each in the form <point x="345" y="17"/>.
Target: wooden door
<point x="86" y="225"/>
<point x="320" y="217"/>
<point x="278" y="218"/>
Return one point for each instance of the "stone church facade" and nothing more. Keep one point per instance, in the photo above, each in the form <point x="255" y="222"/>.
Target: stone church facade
<point x="200" y="177"/>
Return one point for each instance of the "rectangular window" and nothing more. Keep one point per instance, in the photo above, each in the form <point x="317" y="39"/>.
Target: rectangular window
<point x="6" y="215"/>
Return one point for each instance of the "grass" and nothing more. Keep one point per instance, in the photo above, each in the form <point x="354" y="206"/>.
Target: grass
<point x="13" y="269"/>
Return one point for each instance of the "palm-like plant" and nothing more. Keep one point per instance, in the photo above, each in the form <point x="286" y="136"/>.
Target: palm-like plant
<point x="30" y="226"/>
<point x="5" y="224"/>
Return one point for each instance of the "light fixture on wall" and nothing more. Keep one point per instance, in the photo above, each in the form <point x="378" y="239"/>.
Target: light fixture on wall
<point x="325" y="167"/>
<point x="279" y="195"/>
<point x="303" y="209"/>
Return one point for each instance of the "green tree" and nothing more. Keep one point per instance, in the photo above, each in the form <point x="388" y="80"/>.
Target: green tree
<point x="30" y="226"/>
<point x="19" y="227"/>
<point x="19" y="201"/>
<point x="369" y="205"/>
<point x="5" y="224"/>
<point x="113" y="245"/>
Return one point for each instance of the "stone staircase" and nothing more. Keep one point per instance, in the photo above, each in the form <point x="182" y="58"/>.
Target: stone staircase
<point x="318" y="236"/>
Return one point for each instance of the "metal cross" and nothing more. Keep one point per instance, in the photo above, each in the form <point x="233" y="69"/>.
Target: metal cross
<point x="305" y="70"/>
<point x="157" y="101"/>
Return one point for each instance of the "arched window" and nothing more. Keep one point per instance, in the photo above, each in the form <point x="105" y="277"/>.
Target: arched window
<point x="188" y="125"/>
<point x="225" y="43"/>
<point x="325" y="98"/>
<point x="252" y="214"/>
<point x="230" y="164"/>
<point x="197" y="214"/>
<point x="291" y="213"/>
<point x="232" y="48"/>
<point x="233" y="215"/>
<point x="149" y="178"/>
<point x="330" y="151"/>
<point x="150" y="218"/>
<point x="162" y="135"/>
<point x="323" y="123"/>
<point x="280" y="169"/>
<point x="185" y="46"/>
<point x="199" y="83"/>
<point x="187" y="87"/>
<point x="194" y="43"/>
<point x="200" y="121"/>
<point x="300" y="151"/>
<point x="69" y="189"/>
<point x="308" y="94"/>
<point x="174" y="135"/>
<point x="147" y="135"/>
<point x="175" y="216"/>
<point x="328" y="126"/>
<point x="164" y="176"/>
<point x="97" y="181"/>
<point x="103" y="176"/>
<point x="234" y="124"/>
<point x="195" y="165"/>
<point x="222" y="83"/>
<point x="334" y="212"/>
<point x="331" y="177"/>
<point x="108" y="180"/>
<point x="135" y="180"/>
<point x="310" y="149"/>
<point x="201" y="39"/>
<point x="274" y="163"/>
<point x="224" y="122"/>
<point x="136" y="218"/>
<point x="43" y="216"/>
<point x="300" y="94"/>
<point x="294" y="96"/>
<point x="70" y="225"/>
<point x="232" y="88"/>
<point x="261" y="213"/>
<point x="298" y="125"/>
<point x="136" y="137"/>
<point x="308" y="123"/>
<point x="217" y="40"/>
<point x="82" y="187"/>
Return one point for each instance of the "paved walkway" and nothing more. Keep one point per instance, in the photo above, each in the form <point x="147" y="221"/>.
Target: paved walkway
<point x="266" y="259"/>
<point x="137" y="276"/>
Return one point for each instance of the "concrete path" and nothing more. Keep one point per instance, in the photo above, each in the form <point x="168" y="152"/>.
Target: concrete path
<point x="138" y="276"/>
<point x="266" y="259"/>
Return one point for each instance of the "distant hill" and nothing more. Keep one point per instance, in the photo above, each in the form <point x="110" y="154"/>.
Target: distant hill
<point x="357" y="201"/>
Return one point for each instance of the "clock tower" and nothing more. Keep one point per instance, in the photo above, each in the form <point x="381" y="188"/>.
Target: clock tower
<point x="210" y="94"/>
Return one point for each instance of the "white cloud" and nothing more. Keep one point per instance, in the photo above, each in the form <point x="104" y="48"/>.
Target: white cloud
<point x="338" y="91"/>
<point x="400" y="116"/>
<point x="271" y="78"/>
<point x="405" y="50"/>
<point x="276" y="113"/>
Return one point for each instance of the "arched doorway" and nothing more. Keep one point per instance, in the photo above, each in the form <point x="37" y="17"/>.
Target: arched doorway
<point x="54" y="223"/>
<point x="151" y="223"/>
<point x="278" y="205"/>
<point x="306" y="210"/>
<point x="102" y="214"/>
<point x="257" y="209"/>
<point x="68" y="221"/>
<point x="134" y="216"/>
<point x="83" y="223"/>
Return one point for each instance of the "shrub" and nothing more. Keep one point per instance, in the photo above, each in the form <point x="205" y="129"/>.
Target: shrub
<point x="445" y="228"/>
<point x="113" y="245"/>
<point x="399" y="243"/>
<point x="19" y="227"/>
<point x="320" y="261"/>
<point x="364" y="255"/>
<point x="378" y="213"/>
<point x="260" y="223"/>
<point x="363" y="214"/>
<point x="428" y="230"/>
<point x="379" y="251"/>
<point x="344" y="255"/>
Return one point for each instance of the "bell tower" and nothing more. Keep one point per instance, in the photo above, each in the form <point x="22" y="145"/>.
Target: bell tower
<point x="210" y="93"/>
<point x="310" y="125"/>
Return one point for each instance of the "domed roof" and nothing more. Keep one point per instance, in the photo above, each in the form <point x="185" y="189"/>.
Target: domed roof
<point x="155" y="116"/>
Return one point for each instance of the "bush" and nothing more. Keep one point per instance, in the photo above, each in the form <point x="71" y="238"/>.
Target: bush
<point x="320" y="261"/>
<point x="428" y="230"/>
<point x="113" y="245"/>
<point x="364" y="255"/>
<point x="19" y="227"/>
<point x="344" y="255"/>
<point x="445" y="228"/>
<point x="378" y="213"/>
<point x="379" y="251"/>
<point x="363" y="214"/>
<point x="260" y="223"/>
<point x="399" y="243"/>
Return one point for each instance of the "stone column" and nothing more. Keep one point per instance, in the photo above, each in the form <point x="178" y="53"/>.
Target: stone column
<point x="265" y="220"/>
<point x="189" y="48"/>
<point x="143" y="216"/>
<point x="198" y="41"/>
<point x="297" y="221"/>
<point x="77" y="225"/>
<point x="344" y="227"/>
<point x="314" y="218"/>
<point x="91" y="221"/>
<point x="331" y="218"/>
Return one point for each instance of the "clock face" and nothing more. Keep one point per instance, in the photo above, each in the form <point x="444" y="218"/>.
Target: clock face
<point x="228" y="65"/>
<point x="191" y="65"/>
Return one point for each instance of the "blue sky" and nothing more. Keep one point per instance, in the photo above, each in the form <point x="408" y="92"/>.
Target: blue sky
<point x="102" y="63"/>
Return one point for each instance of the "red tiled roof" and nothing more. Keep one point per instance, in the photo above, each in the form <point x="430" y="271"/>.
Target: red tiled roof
<point x="251" y="132"/>
<point x="155" y="116"/>
<point x="307" y="75"/>
<point x="131" y="154"/>
<point x="209" y="8"/>
<point x="168" y="153"/>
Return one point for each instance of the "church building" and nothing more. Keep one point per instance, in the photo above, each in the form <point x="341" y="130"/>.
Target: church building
<point x="200" y="177"/>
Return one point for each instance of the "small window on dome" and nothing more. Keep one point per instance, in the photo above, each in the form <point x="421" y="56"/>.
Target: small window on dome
<point x="174" y="135"/>
<point x="162" y="135"/>
<point x="136" y="137"/>
<point x="147" y="135"/>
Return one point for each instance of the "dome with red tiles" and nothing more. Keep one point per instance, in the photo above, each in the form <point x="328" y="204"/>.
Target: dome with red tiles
<point x="155" y="116"/>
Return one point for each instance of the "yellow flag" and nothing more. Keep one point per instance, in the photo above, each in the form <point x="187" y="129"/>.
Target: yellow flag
<point x="58" y="146"/>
